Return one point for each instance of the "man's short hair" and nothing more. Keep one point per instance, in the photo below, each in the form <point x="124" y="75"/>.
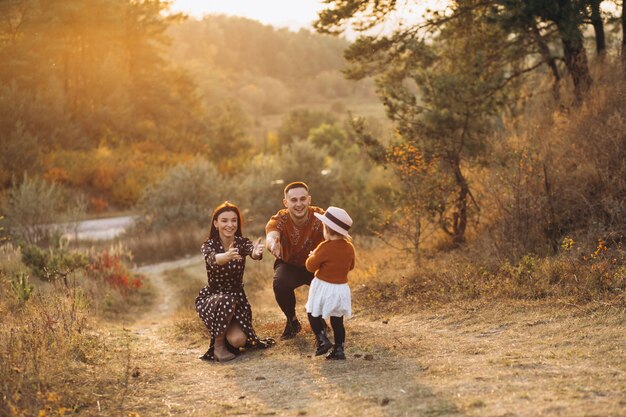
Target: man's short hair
<point x="296" y="184"/>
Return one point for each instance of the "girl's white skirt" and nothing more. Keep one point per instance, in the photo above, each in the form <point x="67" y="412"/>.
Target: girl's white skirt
<point x="327" y="299"/>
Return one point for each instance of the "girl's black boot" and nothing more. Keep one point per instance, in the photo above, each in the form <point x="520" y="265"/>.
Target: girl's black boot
<point x="336" y="353"/>
<point x="322" y="345"/>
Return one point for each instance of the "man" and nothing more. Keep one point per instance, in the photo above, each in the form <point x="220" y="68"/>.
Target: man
<point x="291" y="235"/>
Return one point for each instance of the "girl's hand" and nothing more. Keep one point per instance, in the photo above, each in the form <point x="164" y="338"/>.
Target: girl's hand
<point x="257" y="250"/>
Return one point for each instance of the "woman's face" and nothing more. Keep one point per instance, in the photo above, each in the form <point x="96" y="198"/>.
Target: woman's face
<point x="226" y="224"/>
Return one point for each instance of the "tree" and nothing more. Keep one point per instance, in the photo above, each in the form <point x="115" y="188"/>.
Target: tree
<point x="442" y="95"/>
<point x="333" y="137"/>
<point x="566" y="16"/>
<point x="598" y="27"/>
<point x="298" y="124"/>
<point x="184" y="196"/>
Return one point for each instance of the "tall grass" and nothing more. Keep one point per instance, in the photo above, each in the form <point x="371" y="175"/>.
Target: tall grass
<point x="54" y="356"/>
<point x="147" y="247"/>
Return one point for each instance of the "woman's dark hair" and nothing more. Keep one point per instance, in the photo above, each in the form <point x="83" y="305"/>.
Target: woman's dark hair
<point x="222" y="208"/>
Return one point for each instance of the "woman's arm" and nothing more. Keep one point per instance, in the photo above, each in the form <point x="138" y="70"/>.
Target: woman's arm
<point x="231" y="253"/>
<point x="255" y="250"/>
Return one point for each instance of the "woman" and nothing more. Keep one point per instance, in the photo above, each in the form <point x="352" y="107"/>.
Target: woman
<point x="222" y="304"/>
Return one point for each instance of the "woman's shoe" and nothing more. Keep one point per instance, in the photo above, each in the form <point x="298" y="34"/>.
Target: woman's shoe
<point x="208" y="355"/>
<point x="336" y="353"/>
<point x="322" y="344"/>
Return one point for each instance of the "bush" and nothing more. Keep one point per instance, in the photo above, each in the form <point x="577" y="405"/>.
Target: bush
<point x="108" y="266"/>
<point x="32" y="209"/>
<point x="261" y="191"/>
<point x="564" y="174"/>
<point x="303" y="161"/>
<point x="186" y="195"/>
<point x="52" y="264"/>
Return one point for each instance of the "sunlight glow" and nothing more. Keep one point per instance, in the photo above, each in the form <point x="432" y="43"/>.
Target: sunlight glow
<point x="292" y="14"/>
<point x="280" y="13"/>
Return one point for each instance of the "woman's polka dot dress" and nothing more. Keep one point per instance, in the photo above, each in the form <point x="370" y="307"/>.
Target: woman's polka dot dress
<point x="224" y="296"/>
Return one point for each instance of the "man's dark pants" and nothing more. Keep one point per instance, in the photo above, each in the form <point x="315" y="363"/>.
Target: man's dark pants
<point x="287" y="278"/>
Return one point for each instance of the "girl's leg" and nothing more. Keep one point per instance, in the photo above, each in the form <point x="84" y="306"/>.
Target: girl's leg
<point x="317" y="323"/>
<point x="322" y="343"/>
<point x="340" y="337"/>
<point x="338" y="330"/>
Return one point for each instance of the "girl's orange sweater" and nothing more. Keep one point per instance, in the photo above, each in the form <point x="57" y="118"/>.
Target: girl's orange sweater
<point x="331" y="261"/>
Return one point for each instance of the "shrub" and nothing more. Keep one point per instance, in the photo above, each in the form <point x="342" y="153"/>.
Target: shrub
<point x="185" y="195"/>
<point x="32" y="208"/>
<point x="39" y="212"/>
<point x="260" y="190"/>
<point x="303" y="161"/>
<point x="108" y="266"/>
<point x="564" y="174"/>
<point x="52" y="264"/>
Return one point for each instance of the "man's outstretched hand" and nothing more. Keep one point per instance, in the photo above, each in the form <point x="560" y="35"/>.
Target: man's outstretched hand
<point x="273" y="244"/>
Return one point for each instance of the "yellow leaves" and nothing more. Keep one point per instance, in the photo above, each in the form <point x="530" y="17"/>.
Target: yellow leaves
<point x="600" y="249"/>
<point x="409" y="162"/>
<point x="53" y="406"/>
<point x="567" y="243"/>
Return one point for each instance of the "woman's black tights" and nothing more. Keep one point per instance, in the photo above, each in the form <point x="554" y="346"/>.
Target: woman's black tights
<point x="317" y="325"/>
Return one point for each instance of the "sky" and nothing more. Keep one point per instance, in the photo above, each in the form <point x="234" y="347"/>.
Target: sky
<point x="292" y="14"/>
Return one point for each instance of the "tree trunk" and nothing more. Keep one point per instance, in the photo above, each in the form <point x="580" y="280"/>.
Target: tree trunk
<point x="551" y="229"/>
<point x="417" y="237"/>
<point x="598" y="27"/>
<point x="459" y="224"/>
<point x="624" y="30"/>
<point x="544" y="50"/>
<point x="575" y="56"/>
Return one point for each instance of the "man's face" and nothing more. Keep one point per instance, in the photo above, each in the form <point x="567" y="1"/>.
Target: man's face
<point x="297" y="201"/>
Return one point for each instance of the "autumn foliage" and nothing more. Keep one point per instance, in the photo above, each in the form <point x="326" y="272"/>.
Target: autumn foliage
<point x="110" y="268"/>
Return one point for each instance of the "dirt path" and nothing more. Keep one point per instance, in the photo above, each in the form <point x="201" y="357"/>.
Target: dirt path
<point x="477" y="360"/>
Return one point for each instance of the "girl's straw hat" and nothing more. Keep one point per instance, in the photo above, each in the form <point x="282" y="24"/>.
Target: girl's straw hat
<point x="337" y="219"/>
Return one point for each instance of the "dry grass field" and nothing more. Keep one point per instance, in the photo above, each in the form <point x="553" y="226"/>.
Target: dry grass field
<point x="407" y="356"/>
<point x="473" y="358"/>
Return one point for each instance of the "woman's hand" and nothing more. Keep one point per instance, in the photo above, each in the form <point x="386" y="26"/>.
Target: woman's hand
<point x="232" y="253"/>
<point x="257" y="249"/>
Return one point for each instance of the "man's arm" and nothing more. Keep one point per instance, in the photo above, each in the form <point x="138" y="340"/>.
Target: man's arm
<point x="272" y="243"/>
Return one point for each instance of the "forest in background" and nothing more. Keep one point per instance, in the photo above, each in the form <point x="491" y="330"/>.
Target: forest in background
<point x="490" y="107"/>
<point x="102" y="98"/>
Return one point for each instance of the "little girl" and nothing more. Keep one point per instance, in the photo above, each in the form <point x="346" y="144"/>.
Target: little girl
<point x="329" y="294"/>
